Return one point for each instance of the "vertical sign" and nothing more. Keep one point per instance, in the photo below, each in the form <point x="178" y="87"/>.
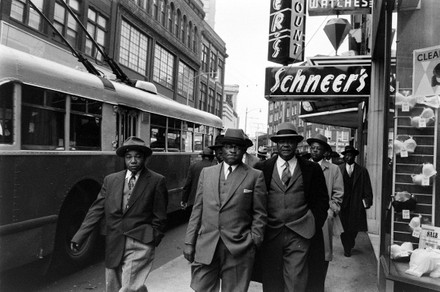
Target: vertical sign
<point x="286" y="31"/>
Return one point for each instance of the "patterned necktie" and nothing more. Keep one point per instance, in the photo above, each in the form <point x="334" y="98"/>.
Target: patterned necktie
<point x="350" y="170"/>
<point x="132" y="182"/>
<point x="286" y="174"/>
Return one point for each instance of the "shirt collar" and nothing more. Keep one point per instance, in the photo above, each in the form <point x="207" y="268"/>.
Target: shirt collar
<point x="128" y="174"/>
<point x="226" y="166"/>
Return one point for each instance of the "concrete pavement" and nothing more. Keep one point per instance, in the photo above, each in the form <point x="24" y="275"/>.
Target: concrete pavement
<point x="357" y="273"/>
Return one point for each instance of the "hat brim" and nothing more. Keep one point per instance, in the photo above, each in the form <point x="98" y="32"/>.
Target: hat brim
<point x="296" y="137"/>
<point x="354" y="151"/>
<point x="124" y="149"/>
<point x="311" y="140"/>
<point x="213" y="147"/>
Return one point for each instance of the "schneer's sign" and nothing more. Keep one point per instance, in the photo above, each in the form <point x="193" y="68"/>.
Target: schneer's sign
<point x="316" y="82"/>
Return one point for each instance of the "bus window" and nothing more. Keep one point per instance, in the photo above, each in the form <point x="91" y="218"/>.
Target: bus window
<point x="208" y="136"/>
<point x="157" y="132"/>
<point x="85" y="124"/>
<point x="174" y="135"/>
<point x="6" y="129"/>
<point x="42" y="126"/>
<point x="187" y="134"/>
<point x="126" y="121"/>
<point x="198" y="137"/>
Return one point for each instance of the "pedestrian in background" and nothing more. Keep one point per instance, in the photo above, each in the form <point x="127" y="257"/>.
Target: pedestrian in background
<point x="335" y="188"/>
<point x="358" y="196"/>
<point x="227" y="222"/>
<point x="262" y="153"/>
<point x="248" y="158"/>
<point x="190" y="187"/>
<point x="217" y="148"/>
<point x="133" y="203"/>
<point x="297" y="208"/>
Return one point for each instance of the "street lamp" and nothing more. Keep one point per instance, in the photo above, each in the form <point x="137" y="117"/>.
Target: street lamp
<point x="246" y="116"/>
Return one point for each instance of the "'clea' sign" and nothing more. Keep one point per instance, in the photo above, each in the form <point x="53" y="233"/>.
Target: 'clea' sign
<point x="317" y="82"/>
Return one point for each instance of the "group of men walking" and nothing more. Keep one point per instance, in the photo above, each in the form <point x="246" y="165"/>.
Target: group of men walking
<point x="268" y="220"/>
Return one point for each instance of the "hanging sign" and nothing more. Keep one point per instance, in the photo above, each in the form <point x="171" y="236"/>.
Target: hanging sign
<point x="287" y="31"/>
<point x="339" y="7"/>
<point x="426" y="73"/>
<point x="317" y="82"/>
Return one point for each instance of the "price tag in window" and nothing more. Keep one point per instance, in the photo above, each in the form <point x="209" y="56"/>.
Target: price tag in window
<point x="422" y="123"/>
<point x="425" y="181"/>
<point x="416" y="232"/>
<point x="404" y="153"/>
<point x="405" y="214"/>
<point x="405" y="107"/>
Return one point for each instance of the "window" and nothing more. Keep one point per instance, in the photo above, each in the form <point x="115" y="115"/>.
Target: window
<point x="205" y="51"/>
<point x="65" y="23"/>
<point x="142" y="4"/>
<point x="97" y="28"/>
<point x="188" y="132"/>
<point x="42" y="125"/>
<point x="199" y="131"/>
<point x="218" y="100"/>
<point x="195" y="39"/>
<point x="163" y="67"/>
<point x="155" y="10"/>
<point x="171" y="18"/>
<point x="219" y="74"/>
<point x="157" y="132"/>
<point x="183" y="29"/>
<point x="211" y="101"/>
<point x="229" y="100"/>
<point x="185" y="82"/>
<point x="22" y="11"/>
<point x="213" y="62"/>
<point x="6" y="114"/>
<point x="203" y="96"/>
<point x="127" y="123"/>
<point x="177" y="20"/>
<point x="174" y="135"/>
<point x="133" y="49"/>
<point x="189" y="34"/>
<point x="85" y="124"/>
<point x="163" y="18"/>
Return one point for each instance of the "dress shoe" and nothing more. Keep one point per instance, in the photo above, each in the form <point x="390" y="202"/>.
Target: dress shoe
<point x="347" y="253"/>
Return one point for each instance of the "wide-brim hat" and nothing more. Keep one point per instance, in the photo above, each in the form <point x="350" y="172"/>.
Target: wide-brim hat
<point x="207" y="152"/>
<point x="249" y="142"/>
<point x="286" y="131"/>
<point x="321" y="139"/>
<point x="262" y="151"/>
<point x="350" y="149"/>
<point x="237" y="137"/>
<point x="133" y="143"/>
<point x="217" y="143"/>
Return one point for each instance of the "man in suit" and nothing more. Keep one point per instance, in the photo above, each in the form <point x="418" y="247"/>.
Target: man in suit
<point x="297" y="208"/>
<point x="262" y="153"/>
<point x="190" y="187"/>
<point x="335" y="187"/>
<point x="249" y="159"/>
<point x="227" y="222"/>
<point x="358" y="196"/>
<point x="133" y="203"/>
<point x="217" y="148"/>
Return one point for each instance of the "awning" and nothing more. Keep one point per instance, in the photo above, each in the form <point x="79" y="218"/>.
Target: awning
<point x="340" y="114"/>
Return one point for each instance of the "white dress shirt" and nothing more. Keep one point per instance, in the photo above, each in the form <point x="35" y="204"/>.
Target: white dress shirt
<point x="280" y="165"/>
<point x="225" y="169"/>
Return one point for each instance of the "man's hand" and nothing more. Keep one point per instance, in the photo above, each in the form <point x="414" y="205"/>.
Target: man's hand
<point x="74" y="246"/>
<point x="183" y="205"/>
<point x="188" y="252"/>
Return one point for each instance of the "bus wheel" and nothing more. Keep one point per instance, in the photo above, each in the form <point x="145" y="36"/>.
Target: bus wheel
<point x="72" y="216"/>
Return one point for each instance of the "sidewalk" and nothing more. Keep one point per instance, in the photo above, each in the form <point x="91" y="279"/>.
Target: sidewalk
<point x="357" y="273"/>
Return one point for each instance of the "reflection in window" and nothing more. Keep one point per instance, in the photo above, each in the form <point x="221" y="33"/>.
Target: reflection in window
<point x="157" y="132"/>
<point x="6" y="129"/>
<point x="173" y="136"/>
<point x="85" y="124"/>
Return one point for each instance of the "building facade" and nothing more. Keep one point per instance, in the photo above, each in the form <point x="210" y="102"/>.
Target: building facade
<point x="164" y="42"/>
<point x="230" y="116"/>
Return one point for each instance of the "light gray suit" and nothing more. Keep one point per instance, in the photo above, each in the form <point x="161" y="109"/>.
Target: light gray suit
<point x="235" y="223"/>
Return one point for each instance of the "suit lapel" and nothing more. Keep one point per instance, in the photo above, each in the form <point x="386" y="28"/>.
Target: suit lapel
<point x="118" y="190"/>
<point x="276" y="178"/>
<point x="296" y="174"/>
<point x="214" y="183"/>
<point x="239" y="175"/>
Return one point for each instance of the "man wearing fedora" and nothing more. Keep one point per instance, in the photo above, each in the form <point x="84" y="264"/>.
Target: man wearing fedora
<point x="217" y="148"/>
<point x="358" y="196"/>
<point x="248" y="158"/>
<point x="297" y="208"/>
<point x="133" y="203"/>
<point x="190" y="187"/>
<point x="227" y="222"/>
<point x="262" y="153"/>
<point x="318" y="266"/>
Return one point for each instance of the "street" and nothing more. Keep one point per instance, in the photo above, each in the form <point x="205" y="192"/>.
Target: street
<point x="90" y="278"/>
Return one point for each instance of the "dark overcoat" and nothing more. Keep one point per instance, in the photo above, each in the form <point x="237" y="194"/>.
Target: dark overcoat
<point x="357" y="188"/>
<point x="190" y="187"/>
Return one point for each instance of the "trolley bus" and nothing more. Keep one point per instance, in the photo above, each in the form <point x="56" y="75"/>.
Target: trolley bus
<point x="59" y="128"/>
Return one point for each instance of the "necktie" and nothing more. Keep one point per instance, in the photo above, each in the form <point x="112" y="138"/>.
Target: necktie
<point x="350" y="170"/>
<point x="229" y="172"/>
<point x="132" y="181"/>
<point x="285" y="177"/>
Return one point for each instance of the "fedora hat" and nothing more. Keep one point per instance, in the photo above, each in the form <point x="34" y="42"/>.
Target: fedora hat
<point x="133" y="143"/>
<point x="350" y="149"/>
<point x="217" y="142"/>
<point x="321" y="139"/>
<point x="286" y="131"/>
<point x="207" y="152"/>
<point x="249" y="142"/>
<point x="236" y="136"/>
<point x="262" y="150"/>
